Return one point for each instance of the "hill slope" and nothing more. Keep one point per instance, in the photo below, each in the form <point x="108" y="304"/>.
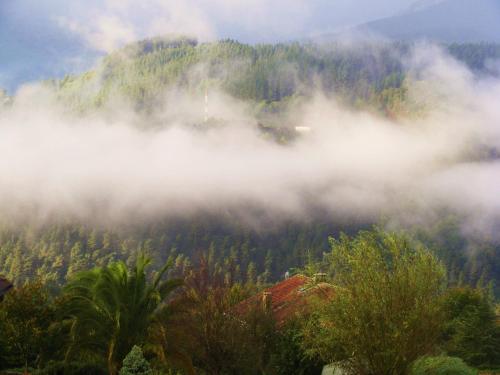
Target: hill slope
<point x="269" y="77"/>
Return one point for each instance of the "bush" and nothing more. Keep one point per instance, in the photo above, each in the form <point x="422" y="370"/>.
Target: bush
<point x="25" y="316"/>
<point x="471" y="332"/>
<point x="441" y="366"/>
<point x="289" y="357"/>
<point x="387" y="309"/>
<point x="135" y="363"/>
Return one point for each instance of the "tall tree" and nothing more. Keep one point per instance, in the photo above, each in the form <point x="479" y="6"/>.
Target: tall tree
<point x="387" y="308"/>
<point x="25" y="316"/>
<point x="219" y="338"/>
<point x="112" y="308"/>
<point x="471" y="330"/>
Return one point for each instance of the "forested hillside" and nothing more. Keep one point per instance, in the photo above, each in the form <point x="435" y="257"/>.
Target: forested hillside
<point x="267" y="75"/>
<point x="271" y="78"/>
<point x="204" y="317"/>
<point x="55" y="252"/>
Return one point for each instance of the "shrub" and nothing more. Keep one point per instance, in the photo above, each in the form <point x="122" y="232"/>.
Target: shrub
<point x="25" y="317"/>
<point x="289" y="357"/>
<point x="135" y="363"/>
<point x="441" y="365"/>
<point x="471" y="332"/>
<point x="387" y="309"/>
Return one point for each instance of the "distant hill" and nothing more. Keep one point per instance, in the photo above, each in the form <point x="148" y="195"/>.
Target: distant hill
<point x="442" y="20"/>
<point x="421" y="5"/>
<point x="263" y="74"/>
<point x="270" y="78"/>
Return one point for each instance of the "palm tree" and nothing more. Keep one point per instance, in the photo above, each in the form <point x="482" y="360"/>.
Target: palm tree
<point x="111" y="309"/>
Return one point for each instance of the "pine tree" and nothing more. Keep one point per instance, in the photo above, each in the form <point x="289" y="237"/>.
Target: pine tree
<point x="251" y="273"/>
<point x="78" y="260"/>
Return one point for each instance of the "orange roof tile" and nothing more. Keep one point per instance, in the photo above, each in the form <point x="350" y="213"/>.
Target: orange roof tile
<point x="288" y="297"/>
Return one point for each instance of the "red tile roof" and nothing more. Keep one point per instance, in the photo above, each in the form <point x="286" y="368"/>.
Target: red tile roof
<point x="289" y="297"/>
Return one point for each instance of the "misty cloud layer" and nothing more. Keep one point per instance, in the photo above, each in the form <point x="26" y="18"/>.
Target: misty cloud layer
<point x="352" y="164"/>
<point x="107" y="24"/>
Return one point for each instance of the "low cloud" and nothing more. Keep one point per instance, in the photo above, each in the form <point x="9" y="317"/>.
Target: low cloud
<point x="351" y="165"/>
<point x="110" y="24"/>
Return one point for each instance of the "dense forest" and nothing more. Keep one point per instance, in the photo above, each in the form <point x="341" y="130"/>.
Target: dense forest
<point x="53" y="253"/>
<point x="382" y="305"/>
<point x="159" y="296"/>
<point x="272" y="77"/>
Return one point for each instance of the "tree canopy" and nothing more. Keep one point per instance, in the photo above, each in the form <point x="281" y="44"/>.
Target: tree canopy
<point x="387" y="309"/>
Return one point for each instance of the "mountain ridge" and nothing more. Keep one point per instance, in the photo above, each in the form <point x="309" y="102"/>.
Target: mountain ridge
<point x="444" y="21"/>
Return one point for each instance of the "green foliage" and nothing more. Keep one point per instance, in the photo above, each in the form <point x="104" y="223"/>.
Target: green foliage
<point x="261" y="74"/>
<point x="112" y="308"/>
<point x="387" y="307"/>
<point x="472" y="332"/>
<point x="441" y="366"/>
<point x="289" y="356"/>
<point x="387" y="310"/>
<point x="135" y="363"/>
<point x="219" y="337"/>
<point x="55" y="252"/>
<point x="270" y="76"/>
<point x="25" y="316"/>
<point x="470" y="260"/>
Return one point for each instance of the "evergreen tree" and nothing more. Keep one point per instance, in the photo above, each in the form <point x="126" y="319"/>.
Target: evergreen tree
<point x="135" y="363"/>
<point x="471" y="332"/>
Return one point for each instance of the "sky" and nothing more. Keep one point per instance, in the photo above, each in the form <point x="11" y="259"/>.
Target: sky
<point x="41" y="39"/>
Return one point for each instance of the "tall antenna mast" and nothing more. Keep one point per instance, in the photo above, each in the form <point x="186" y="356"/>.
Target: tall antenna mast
<point x="206" y="104"/>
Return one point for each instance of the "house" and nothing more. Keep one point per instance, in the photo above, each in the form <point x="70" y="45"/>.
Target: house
<point x="289" y="297"/>
<point x="5" y="286"/>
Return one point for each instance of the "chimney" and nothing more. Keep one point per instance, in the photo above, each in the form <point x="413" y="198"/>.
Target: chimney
<point x="267" y="300"/>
